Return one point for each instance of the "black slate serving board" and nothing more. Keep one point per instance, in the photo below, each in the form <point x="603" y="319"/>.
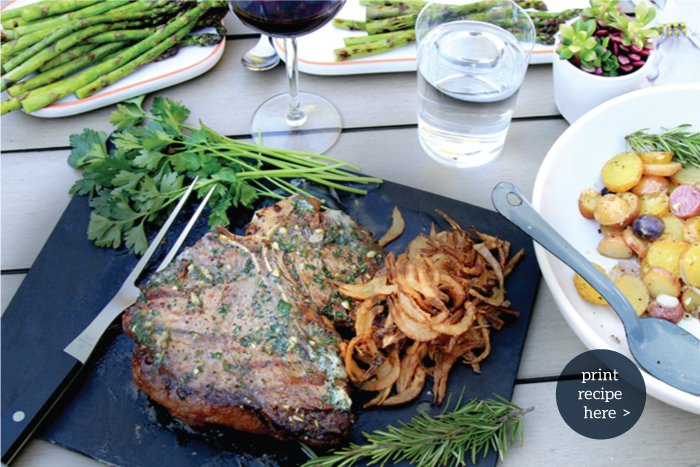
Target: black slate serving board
<point x="105" y="417"/>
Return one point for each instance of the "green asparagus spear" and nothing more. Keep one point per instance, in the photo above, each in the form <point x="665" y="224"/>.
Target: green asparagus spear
<point x="54" y="22"/>
<point x="64" y="70"/>
<point x="11" y="13"/>
<point x="61" y="20"/>
<point x="120" y="36"/>
<point x="202" y="40"/>
<point x="382" y="12"/>
<point x="547" y="23"/>
<point x="396" y="23"/>
<point x="376" y="47"/>
<point x="532" y="4"/>
<point x="33" y="63"/>
<point x="17" y="23"/>
<point x="359" y="40"/>
<point x="57" y="7"/>
<point x="7" y="35"/>
<point x="132" y="66"/>
<point x="42" y="38"/>
<point x="29" y="39"/>
<point x="212" y="19"/>
<point x="41" y="97"/>
<point x="13" y="23"/>
<point x="8" y="105"/>
<point x="411" y="3"/>
<point x="349" y="24"/>
<point x="67" y="56"/>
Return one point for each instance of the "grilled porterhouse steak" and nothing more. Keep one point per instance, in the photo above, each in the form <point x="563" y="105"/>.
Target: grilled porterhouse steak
<point x="237" y="331"/>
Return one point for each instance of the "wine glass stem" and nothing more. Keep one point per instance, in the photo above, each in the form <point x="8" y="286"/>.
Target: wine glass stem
<point x="295" y="115"/>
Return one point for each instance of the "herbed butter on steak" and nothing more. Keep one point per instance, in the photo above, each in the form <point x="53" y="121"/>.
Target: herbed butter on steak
<point x="238" y="330"/>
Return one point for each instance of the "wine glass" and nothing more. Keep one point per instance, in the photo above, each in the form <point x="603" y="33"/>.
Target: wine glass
<point x="298" y="121"/>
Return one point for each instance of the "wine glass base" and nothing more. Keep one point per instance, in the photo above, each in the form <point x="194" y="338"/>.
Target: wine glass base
<point x="318" y="133"/>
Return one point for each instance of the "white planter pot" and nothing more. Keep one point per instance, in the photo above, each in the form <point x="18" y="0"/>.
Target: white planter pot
<point x="576" y="92"/>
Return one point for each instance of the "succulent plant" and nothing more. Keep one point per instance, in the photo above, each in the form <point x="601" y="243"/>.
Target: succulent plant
<point x="606" y="42"/>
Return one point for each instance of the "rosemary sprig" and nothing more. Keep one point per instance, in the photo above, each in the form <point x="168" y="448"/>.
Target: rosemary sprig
<point x="683" y="143"/>
<point x="445" y="439"/>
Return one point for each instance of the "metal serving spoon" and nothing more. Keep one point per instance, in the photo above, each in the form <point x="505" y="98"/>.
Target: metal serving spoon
<point x="662" y="348"/>
<point x="261" y="57"/>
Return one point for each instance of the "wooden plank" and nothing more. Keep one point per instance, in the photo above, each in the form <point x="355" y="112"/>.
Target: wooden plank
<point x="663" y="435"/>
<point x="39" y="453"/>
<point x="34" y="194"/>
<point x="217" y="97"/>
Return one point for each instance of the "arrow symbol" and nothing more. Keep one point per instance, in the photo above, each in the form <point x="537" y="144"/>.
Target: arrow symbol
<point x="626" y="413"/>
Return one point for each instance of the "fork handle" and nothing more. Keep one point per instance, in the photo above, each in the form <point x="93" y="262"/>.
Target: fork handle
<point x="26" y="413"/>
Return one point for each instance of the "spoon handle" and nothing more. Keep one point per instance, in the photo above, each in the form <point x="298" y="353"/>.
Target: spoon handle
<point x="513" y="205"/>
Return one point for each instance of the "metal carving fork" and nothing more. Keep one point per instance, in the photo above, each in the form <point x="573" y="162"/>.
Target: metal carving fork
<point x="24" y="415"/>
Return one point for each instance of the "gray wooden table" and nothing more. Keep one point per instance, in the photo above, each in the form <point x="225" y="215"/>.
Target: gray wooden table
<point x="379" y="135"/>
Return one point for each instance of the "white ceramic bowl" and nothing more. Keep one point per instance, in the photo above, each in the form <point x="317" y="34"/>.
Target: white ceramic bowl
<point x="574" y="163"/>
<point x="576" y="92"/>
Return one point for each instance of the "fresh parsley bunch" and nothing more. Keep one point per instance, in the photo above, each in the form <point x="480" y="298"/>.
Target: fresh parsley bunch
<point x="139" y="177"/>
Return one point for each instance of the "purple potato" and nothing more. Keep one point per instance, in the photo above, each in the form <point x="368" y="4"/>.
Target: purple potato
<point x="648" y="227"/>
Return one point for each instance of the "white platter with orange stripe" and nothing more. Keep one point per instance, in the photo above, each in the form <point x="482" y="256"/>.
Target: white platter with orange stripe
<point x="188" y="63"/>
<point x="316" y="57"/>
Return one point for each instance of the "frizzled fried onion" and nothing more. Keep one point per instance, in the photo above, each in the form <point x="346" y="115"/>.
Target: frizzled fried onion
<point x="396" y="229"/>
<point x="429" y="308"/>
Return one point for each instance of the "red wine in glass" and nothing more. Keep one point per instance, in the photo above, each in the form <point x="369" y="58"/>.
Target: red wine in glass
<point x="298" y="121"/>
<point x="285" y="19"/>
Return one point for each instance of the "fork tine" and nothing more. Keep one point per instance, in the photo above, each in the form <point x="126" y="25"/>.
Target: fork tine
<point x="673" y="29"/>
<point x="159" y="237"/>
<point x="178" y="243"/>
<point x="82" y="346"/>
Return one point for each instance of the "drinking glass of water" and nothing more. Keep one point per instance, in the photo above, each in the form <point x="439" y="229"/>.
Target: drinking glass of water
<point x="472" y="58"/>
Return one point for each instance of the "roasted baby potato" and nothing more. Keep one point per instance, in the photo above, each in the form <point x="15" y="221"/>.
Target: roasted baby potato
<point x="657" y="204"/>
<point x="587" y="203"/>
<point x="656" y="157"/>
<point x="674" y="228"/>
<point x="690" y="265"/>
<point x="611" y="229"/>
<point x="635" y="291"/>
<point x="691" y="230"/>
<point x="615" y="246"/>
<point x="617" y="210"/>
<point x="638" y="245"/>
<point x="666" y="253"/>
<point x="690" y="299"/>
<point x="622" y="172"/>
<point x="651" y="185"/>
<point x="685" y="201"/>
<point x="687" y="176"/>
<point x="586" y="290"/>
<point x="659" y="281"/>
<point x="672" y="313"/>
<point x="648" y="227"/>
<point x="663" y="170"/>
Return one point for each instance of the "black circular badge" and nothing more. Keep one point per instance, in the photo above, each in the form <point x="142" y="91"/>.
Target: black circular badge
<point x="601" y="394"/>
